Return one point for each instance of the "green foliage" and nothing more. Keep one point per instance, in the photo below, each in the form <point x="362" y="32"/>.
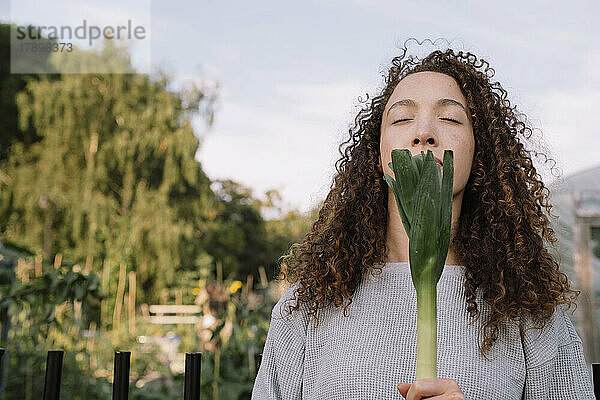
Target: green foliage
<point x="122" y="183"/>
<point x="10" y="85"/>
<point x="29" y="309"/>
<point x="101" y="168"/>
<point x="87" y="366"/>
<point x="112" y="174"/>
<point x="54" y="287"/>
<point x="42" y="294"/>
<point x="237" y="234"/>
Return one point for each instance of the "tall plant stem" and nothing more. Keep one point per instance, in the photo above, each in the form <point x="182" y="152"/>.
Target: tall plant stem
<point x="427" y="331"/>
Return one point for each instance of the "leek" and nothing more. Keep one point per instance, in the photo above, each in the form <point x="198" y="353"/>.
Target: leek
<point x="424" y="200"/>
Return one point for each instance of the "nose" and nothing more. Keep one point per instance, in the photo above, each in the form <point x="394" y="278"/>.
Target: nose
<point x="424" y="138"/>
<point x="425" y="133"/>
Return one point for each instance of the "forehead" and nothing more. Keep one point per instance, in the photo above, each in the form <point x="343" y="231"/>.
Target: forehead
<point x="427" y="86"/>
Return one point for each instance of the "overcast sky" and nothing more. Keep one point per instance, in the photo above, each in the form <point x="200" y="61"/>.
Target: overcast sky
<point x="290" y="74"/>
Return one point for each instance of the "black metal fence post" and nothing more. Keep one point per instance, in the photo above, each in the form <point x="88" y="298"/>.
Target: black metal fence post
<point x="596" y="379"/>
<point x="2" y="350"/>
<point x="121" y="375"/>
<point x="193" y="364"/>
<point x="53" y="374"/>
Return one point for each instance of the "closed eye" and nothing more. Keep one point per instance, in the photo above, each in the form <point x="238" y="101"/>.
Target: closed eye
<point x="402" y="120"/>
<point x="450" y="119"/>
<point x="410" y="119"/>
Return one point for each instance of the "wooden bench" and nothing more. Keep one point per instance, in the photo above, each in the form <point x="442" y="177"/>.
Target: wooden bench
<point x="171" y="314"/>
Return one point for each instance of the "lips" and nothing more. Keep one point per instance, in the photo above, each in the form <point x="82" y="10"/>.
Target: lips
<point x="437" y="160"/>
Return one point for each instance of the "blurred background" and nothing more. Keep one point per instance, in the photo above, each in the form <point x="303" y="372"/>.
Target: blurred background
<point x="146" y="211"/>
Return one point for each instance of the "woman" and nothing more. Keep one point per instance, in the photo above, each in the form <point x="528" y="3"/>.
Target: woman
<point x="497" y="266"/>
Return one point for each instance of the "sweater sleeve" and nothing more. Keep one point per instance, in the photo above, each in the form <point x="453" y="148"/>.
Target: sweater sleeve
<point x="556" y="367"/>
<point x="280" y="373"/>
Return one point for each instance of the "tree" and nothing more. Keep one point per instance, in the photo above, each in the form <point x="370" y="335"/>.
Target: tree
<point x="10" y="85"/>
<point x="237" y="236"/>
<point x="113" y="174"/>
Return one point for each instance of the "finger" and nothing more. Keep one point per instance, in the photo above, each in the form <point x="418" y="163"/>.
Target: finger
<point x="447" y="396"/>
<point x="403" y="388"/>
<point x="427" y="387"/>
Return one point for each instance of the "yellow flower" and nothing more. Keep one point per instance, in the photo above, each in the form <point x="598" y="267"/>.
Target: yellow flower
<point x="235" y="286"/>
<point x="196" y="291"/>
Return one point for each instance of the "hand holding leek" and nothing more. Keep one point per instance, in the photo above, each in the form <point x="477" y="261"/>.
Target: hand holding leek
<point x="424" y="200"/>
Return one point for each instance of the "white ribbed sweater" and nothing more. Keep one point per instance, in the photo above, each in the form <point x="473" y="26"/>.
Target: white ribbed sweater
<point x="365" y="355"/>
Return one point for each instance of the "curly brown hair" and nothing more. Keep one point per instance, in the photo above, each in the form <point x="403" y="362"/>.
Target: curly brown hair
<point x="502" y="226"/>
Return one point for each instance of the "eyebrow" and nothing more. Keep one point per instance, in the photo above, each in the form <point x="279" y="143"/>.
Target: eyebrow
<point x="440" y="102"/>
